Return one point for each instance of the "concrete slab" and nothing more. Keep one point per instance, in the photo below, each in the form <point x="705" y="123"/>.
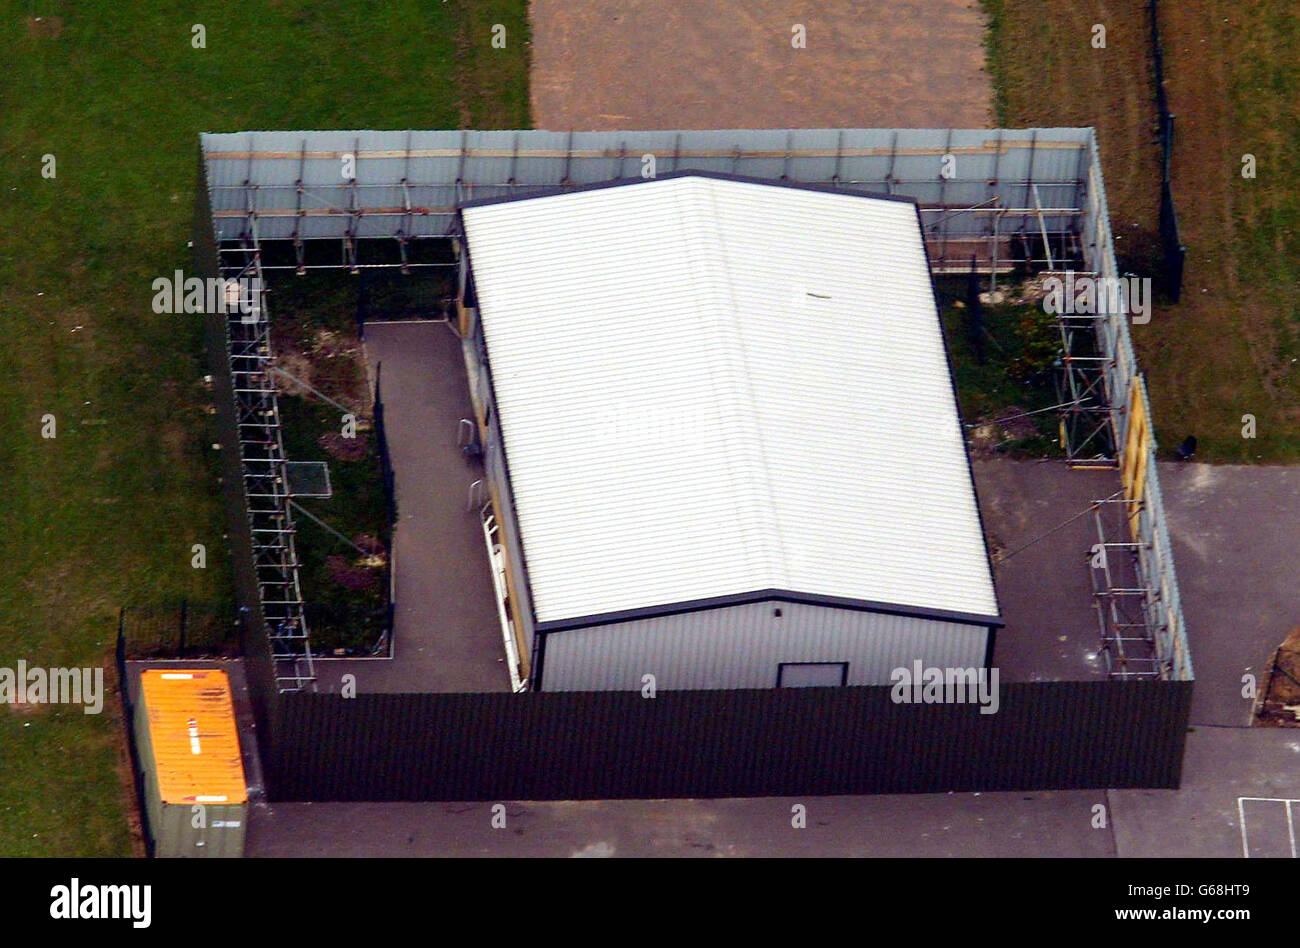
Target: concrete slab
<point x="1202" y="818"/>
<point x="610" y="64"/>
<point x="943" y="825"/>
<point x="447" y="635"/>
<point x="1044" y="588"/>
<point x="1234" y="530"/>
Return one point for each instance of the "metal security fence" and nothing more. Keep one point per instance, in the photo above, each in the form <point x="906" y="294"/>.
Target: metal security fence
<point x="181" y="629"/>
<point x="385" y="458"/>
<point x="612" y="745"/>
<point x="251" y="622"/>
<point x="1006" y="198"/>
<point x="1171" y="242"/>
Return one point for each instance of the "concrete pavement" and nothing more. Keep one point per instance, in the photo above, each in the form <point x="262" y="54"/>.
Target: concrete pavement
<point x="938" y="825"/>
<point x="1235" y="530"/>
<point x="447" y="635"/>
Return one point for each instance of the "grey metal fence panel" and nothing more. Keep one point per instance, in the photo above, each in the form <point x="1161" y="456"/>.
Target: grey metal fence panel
<point x="262" y="168"/>
<point x="1124" y="384"/>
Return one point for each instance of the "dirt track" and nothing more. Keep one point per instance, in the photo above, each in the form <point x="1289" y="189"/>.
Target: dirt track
<point x="610" y="64"/>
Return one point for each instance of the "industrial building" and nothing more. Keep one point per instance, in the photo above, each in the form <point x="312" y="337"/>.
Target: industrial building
<point x="720" y="435"/>
<point x="1011" y="199"/>
<point x="743" y="375"/>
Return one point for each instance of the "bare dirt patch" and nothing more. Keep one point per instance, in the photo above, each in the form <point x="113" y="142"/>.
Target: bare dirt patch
<point x="1280" y="706"/>
<point x="330" y="362"/>
<point x="45" y="27"/>
<point x="610" y="64"/>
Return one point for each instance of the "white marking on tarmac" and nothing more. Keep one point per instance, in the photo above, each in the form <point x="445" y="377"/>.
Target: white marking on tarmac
<point x="1241" y="816"/>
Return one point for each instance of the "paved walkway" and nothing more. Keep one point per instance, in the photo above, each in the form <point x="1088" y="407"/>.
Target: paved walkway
<point x="447" y="633"/>
<point x="1201" y="819"/>
<point x="937" y="825"/>
<point x="1043" y="586"/>
<point x="612" y="64"/>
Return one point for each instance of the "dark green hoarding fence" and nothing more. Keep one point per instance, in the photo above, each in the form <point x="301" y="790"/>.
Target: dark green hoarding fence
<point x="773" y="742"/>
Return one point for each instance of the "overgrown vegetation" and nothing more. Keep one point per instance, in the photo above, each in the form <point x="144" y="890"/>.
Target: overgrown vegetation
<point x="106" y="513"/>
<point x="345" y="550"/>
<point x="1004" y="358"/>
<point x="344" y="574"/>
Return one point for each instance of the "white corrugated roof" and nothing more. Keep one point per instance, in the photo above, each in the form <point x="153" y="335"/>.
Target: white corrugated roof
<point x="709" y="387"/>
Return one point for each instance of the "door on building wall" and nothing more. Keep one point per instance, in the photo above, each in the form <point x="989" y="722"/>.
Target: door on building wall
<point x="811" y="674"/>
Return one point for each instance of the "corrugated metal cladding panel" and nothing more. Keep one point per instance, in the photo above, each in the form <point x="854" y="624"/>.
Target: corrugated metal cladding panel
<point x="481" y="161"/>
<point x="193" y="735"/>
<point x="708" y="387"/>
<point x="1046" y="735"/>
<point x="742" y="646"/>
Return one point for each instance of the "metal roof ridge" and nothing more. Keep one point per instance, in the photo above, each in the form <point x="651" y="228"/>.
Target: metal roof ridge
<point x="705" y="257"/>
<point x="768" y="536"/>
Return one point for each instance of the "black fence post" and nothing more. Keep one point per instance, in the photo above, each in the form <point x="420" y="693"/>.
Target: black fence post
<point x="1171" y="244"/>
<point x="390" y="495"/>
<point x="363" y="303"/>
<point x="180" y="646"/>
<point x="975" y="312"/>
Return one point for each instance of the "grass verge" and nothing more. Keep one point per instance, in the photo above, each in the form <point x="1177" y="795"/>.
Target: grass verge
<point x="106" y="513"/>
<point x="1231" y="348"/>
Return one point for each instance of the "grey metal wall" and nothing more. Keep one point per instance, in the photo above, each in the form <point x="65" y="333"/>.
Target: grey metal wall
<point x="742" y="646"/>
<point x="494" y="469"/>
<point x="409" y="182"/>
<point x="1056" y="735"/>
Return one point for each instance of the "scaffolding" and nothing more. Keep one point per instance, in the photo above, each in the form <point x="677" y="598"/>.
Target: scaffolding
<point x="995" y="201"/>
<point x="1087" y="432"/>
<point x="1125" y="601"/>
<point x="263" y="462"/>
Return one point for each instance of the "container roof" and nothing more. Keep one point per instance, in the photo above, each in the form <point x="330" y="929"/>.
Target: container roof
<point x="193" y="735"/>
<point x="710" y="386"/>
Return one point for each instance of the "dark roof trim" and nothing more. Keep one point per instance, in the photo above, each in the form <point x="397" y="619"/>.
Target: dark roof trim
<point x="556" y="190"/>
<point x="766" y="595"/>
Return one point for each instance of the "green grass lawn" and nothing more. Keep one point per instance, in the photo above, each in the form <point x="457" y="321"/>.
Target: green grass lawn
<point x="105" y="513"/>
<point x="1231" y="346"/>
